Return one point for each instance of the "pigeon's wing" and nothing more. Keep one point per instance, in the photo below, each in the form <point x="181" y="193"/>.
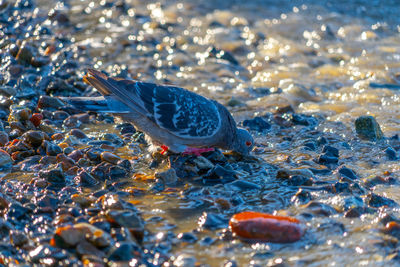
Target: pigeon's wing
<point x="181" y="112"/>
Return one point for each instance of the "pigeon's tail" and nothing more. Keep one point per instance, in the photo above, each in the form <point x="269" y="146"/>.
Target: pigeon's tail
<point x="98" y="104"/>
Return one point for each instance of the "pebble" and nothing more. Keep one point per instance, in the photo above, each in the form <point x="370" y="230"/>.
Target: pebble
<point x="258" y="124"/>
<point x="219" y="174"/>
<point x="110" y="157"/>
<point x="391" y="154"/>
<point x="5" y="159"/>
<point x="169" y="176"/>
<point x="33" y="138"/>
<point x="212" y="221"/>
<point x="346" y="172"/>
<point x="368" y="128"/>
<point x="78" y="134"/>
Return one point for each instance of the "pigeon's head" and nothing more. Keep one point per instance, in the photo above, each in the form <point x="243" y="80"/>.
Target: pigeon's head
<point x="244" y="142"/>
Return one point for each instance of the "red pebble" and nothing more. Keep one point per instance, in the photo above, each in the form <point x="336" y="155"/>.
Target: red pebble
<point x="36" y="119"/>
<point x="263" y="227"/>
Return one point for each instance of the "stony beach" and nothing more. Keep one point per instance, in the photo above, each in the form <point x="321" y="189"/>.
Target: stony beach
<point x="317" y="85"/>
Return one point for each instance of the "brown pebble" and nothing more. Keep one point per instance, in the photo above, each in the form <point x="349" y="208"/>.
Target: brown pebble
<point x="3" y="138"/>
<point x="47" y="160"/>
<point x="78" y="133"/>
<point x="66" y="162"/>
<point x="109" y="157"/>
<point x="33" y="138"/>
<point x="57" y="136"/>
<point x="49" y="102"/>
<point x="76" y="155"/>
<point x="40" y="183"/>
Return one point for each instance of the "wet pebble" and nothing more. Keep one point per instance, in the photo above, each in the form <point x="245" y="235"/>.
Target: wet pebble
<point x="5" y="159"/>
<point x="34" y="138"/>
<point x="258" y="124"/>
<point x="377" y="201"/>
<point x="343" y="171"/>
<point x="212" y="221"/>
<point x="368" y="128"/>
<point x="78" y="134"/>
<point x="219" y="174"/>
<point x="123" y="251"/>
<point x="169" y="176"/>
<point x="55" y="175"/>
<point x="110" y="157"/>
<point x="391" y="154"/>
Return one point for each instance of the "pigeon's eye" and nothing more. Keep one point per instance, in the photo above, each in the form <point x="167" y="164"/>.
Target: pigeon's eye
<point x="248" y="143"/>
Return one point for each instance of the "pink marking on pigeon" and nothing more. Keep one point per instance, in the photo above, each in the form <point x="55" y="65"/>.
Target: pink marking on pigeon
<point x="196" y="151"/>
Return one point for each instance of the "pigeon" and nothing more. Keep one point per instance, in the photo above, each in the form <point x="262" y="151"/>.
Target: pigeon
<point x="174" y="118"/>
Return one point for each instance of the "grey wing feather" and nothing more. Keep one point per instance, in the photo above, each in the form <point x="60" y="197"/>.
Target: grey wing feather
<point x="181" y="112"/>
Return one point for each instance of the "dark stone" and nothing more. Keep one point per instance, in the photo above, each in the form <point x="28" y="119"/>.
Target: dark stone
<point x="221" y="54"/>
<point x="257" y="124"/>
<point x="330" y="150"/>
<point x="341" y="187"/>
<point x="319" y="208"/>
<point x="356" y="212"/>
<point x="244" y="185"/>
<point x="55" y="175"/>
<point x="327" y="159"/>
<point x="85" y="179"/>
<point x="212" y="221"/>
<point x="320" y="171"/>
<point x="346" y="172"/>
<point x="187" y="237"/>
<point x="302" y="197"/>
<point x="126" y="164"/>
<point x="322" y="141"/>
<point x="301" y="119"/>
<point x="368" y="128"/>
<point x="116" y="172"/>
<point x="377" y="201"/>
<point x="219" y="174"/>
<point x="310" y="145"/>
<point x="123" y="251"/>
<point x="391" y="153"/>
<point x="17" y="212"/>
<point x="299" y="180"/>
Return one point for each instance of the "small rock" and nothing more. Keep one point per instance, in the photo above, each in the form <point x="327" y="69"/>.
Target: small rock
<point x="55" y="175"/>
<point x="257" y="124"/>
<point x="319" y="208"/>
<point x="18" y="238"/>
<point x="327" y="159"/>
<point x="123" y="251"/>
<point x="85" y="179"/>
<point x="391" y="153"/>
<point x="377" y="201"/>
<point x="202" y="163"/>
<point x="212" y="221"/>
<point x="3" y="138"/>
<point x="33" y="138"/>
<point x="330" y="150"/>
<point x="219" y="174"/>
<point x="187" y="237"/>
<point x="49" y="102"/>
<point x="368" y="128"/>
<point x="110" y="157"/>
<point x="243" y="185"/>
<point x="5" y="159"/>
<point x="78" y="134"/>
<point x="169" y="176"/>
<point x="346" y="172"/>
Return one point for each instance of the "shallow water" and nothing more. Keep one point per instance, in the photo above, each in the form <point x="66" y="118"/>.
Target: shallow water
<point x="327" y="59"/>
